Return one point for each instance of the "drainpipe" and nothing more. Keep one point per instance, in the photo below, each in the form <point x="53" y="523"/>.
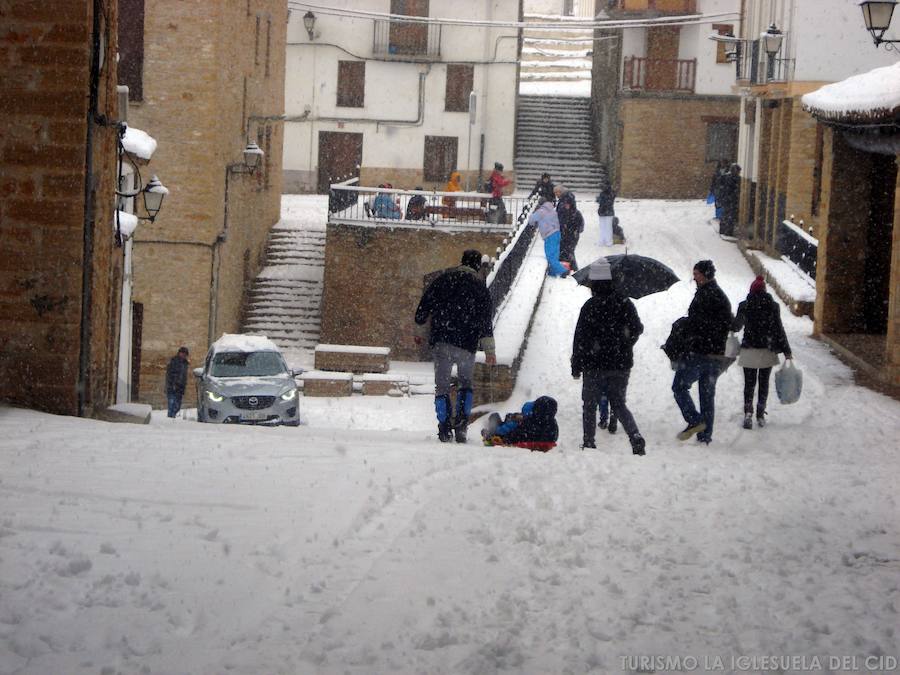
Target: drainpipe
<point x="87" y="243"/>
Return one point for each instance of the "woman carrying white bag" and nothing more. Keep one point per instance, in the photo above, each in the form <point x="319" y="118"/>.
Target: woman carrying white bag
<point x="763" y="340"/>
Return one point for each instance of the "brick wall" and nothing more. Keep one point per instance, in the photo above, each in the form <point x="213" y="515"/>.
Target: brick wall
<point x="45" y="64"/>
<point x="374" y="280"/>
<point x="662" y="152"/>
<point x="208" y="86"/>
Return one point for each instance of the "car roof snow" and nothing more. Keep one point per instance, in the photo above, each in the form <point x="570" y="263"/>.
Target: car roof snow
<point x="235" y="342"/>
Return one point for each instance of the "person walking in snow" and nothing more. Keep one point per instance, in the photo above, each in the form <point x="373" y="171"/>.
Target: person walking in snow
<point x="461" y="312"/>
<point x="547" y="222"/>
<point x="453" y="185"/>
<point x="764" y="337"/>
<point x="543" y="188"/>
<point x="709" y="320"/>
<point x="720" y="170"/>
<point x="603" y="351"/>
<point x="176" y="380"/>
<point x="570" y="220"/>
<point x="606" y="210"/>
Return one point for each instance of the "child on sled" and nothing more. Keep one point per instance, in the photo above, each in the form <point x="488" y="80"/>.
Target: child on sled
<point x="534" y="428"/>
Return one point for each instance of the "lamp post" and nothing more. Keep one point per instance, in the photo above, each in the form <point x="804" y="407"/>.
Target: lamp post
<point x="772" y="39"/>
<point x="877" y="15"/>
<point x="154" y="193"/>
<point x="309" y="23"/>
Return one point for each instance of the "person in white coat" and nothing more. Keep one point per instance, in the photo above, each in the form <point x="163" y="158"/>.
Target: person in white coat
<point x="547" y="222"/>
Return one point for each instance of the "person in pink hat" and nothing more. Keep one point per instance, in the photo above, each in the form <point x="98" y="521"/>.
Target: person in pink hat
<point x="764" y="338"/>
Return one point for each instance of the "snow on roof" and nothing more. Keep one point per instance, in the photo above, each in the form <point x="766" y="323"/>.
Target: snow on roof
<point x="127" y="224"/>
<point x="234" y="342"/>
<point x="871" y="95"/>
<point x="138" y="143"/>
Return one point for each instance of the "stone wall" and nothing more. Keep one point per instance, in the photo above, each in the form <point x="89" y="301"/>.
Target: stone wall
<point x="374" y="278"/>
<point x="50" y="324"/>
<point x="193" y="265"/>
<point x="662" y="153"/>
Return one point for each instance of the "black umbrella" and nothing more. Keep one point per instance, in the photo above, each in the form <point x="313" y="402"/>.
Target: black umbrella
<point x="632" y="275"/>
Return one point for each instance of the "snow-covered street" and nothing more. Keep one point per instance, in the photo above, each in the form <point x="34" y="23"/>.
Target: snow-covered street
<point x="358" y="543"/>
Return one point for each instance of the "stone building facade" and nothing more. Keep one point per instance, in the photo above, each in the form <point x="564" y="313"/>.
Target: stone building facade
<point x="208" y="78"/>
<point x="664" y="112"/>
<point x="60" y="269"/>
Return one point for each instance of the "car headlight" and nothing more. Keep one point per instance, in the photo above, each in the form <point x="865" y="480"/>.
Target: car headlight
<point x="289" y="395"/>
<point x="213" y="396"/>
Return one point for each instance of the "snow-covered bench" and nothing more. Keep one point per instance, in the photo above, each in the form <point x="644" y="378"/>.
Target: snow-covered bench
<point x="321" y="383"/>
<point x="353" y="358"/>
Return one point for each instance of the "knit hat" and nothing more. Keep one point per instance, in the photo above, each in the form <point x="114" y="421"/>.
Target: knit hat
<point x="706" y="268"/>
<point x="600" y="271"/>
<point x="472" y="258"/>
<point x="183" y="350"/>
<point x="758" y="285"/>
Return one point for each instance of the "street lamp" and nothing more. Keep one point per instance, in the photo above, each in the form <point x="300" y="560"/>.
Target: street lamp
<point x="154" y="193"/>
<point x="252" y="156"/>
<point x="877" y="15"/>
<point x="772" y="39"/>
<point x="309" y="23"/>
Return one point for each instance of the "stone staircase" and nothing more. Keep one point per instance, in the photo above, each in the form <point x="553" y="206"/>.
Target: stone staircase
<point x="559" y="59"/>
<point x="285" y="300"/>
<point x="553" y="134"/>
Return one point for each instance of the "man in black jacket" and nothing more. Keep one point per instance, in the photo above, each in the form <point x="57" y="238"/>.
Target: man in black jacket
<point x="461" y="313"/>
<point x="602" y="350"/>
<point x="176" y="380"/>
<point x="709" y="320"/>
<point x="543" y="188"/>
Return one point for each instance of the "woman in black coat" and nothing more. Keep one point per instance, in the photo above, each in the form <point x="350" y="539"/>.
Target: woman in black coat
<point x="764" y="338"/>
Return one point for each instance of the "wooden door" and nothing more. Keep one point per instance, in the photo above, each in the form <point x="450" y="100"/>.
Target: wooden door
<point x="340" y="155"/>
<point x="662" y="52"/>
<point x="409" y="38"/>
<point x="879" y="236"/>
<point x="137" y="328"/>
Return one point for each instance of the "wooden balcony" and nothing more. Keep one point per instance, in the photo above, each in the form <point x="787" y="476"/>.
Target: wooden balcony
<point x="659" y="75"/>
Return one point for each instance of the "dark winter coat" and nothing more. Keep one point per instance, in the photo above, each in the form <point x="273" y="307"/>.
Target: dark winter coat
<point x="542" y="189"/>
<point x="176" y="376"/>
<point x="760" y="318"/>
<point x="607" y="329"/>
<point x="605" y="201"/>
<point x="415" y="207"/>
<point x="728" y="192"/>
<point x="460" y="308"/>
<point x="709" y="320"/>
<point x="566" y="209"/>
<point x="539" y="425"/>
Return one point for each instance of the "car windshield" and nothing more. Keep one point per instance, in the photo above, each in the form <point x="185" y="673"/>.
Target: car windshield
<point x="243" y="364"/>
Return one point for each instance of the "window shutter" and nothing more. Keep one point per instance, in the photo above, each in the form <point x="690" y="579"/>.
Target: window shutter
<point x="351" y="89"/>
<point x="460" y="78"/>
<point x="440" y="157"/>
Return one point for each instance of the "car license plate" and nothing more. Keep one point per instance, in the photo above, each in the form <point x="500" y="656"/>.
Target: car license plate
<point x="254" y="415"/>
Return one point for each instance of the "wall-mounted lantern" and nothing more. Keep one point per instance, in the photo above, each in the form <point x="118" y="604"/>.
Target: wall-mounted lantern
<point x="877" y="15"/>
<point x="309" y="23"/>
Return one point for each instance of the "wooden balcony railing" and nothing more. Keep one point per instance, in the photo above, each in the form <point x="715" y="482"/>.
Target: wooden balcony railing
<point x="672" y="75"/>
<point x="658" y="6"/>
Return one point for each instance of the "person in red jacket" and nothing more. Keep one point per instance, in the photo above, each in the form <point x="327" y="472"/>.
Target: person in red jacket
<point x="495" y="185"/>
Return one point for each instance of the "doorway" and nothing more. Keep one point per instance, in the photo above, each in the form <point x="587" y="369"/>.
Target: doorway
<point x="879" y="237"/>
<point x="340" y="156"/>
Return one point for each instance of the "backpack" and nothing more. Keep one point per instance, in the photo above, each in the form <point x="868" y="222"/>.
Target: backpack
<point x="676" y="345"/>
<point x="489" y="186"/>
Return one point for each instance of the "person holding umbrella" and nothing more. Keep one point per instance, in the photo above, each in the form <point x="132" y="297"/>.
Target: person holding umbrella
<point x="602" y="350"/>
<point x="708" y="321"/>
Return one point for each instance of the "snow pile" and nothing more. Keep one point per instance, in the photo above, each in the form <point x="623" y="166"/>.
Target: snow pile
<point x="139" y="143"/>
<point x="126" y="224"/>
<point x="869" y="95"/>
<point x="233" y="342"/>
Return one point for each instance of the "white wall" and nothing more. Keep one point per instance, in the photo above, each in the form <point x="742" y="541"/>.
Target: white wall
<point x="712" y="78"/>
<point x="391" y="89"/>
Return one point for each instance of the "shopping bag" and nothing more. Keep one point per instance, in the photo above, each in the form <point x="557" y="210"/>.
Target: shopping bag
<point x="710" y="198"/>
<point x="788" y="382"/>
<point x="732" y="346"/>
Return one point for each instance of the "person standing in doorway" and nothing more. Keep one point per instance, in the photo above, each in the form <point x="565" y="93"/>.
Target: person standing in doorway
<point x="708" y="321"/>
<point x="728" y="198"/>
<point x="461" y="312"/>
<point x="176" y="380"/>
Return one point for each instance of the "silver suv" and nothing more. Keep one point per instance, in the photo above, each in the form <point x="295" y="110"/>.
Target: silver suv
<point x="245" y="380"/>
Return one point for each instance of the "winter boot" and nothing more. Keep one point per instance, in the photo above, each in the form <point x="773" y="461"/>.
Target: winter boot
<point x="761" y="416"/>
<point x="613" y="423"/>
<point x="442" y="410"/>
<point x="638" y="444"/>
<point x="588" y="443"/>
<point x="748" y="420"/>
<point x="463" y="408"/>
<point x="691" y="429"/>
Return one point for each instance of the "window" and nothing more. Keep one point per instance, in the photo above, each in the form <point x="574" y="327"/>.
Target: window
<point x="459" y="84"/>
<point x="722" y="29"/>
<point x="721" y="141"/>
<point x="351" y="84"/>
<point x="409" y="38"/>
<point x="131" y="47"/>
<point x="817" y="170"/>
<point x="440" y="157"/>
<point x="268" y="44"/>
<point x="256" y="43"/>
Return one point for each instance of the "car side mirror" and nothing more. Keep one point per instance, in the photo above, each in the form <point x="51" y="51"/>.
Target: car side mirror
<point x="295" y="373"/>
<point x="198" y="372"/>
